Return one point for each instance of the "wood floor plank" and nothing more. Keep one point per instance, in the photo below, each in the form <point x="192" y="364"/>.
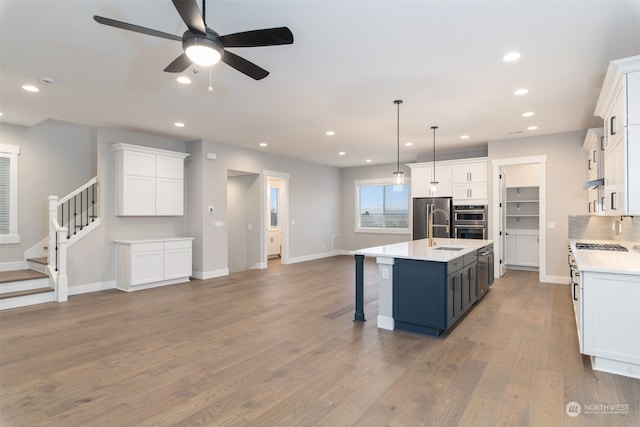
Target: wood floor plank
<point x="279" y="347"/>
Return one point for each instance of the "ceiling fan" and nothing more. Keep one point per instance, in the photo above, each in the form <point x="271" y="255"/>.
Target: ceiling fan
<point x="203" y="46"/>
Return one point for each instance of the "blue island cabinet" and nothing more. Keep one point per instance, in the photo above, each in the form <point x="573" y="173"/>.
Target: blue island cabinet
<point x="429" y="296"/>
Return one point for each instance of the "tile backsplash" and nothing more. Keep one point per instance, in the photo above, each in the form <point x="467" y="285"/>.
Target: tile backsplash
<point x="604" y="227"/>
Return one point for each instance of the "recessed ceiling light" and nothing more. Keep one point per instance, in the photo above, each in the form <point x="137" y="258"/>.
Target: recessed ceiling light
<point x="528" y="114"/>
<point x="341" y="153"/>
<point x="179" y="124"/>
<point x="368" y="160"/>
<point x="330" y="133"/>
<point x="522" y="91"/>
<point x="532" y="128"/>
<point x="30" y="88"/>
<point x="263" y="144"/>
<point x="184" y="80"/>
<point x="408" y="144"/>
<point x="464" y="137"/>
<point x="511" y="56"/>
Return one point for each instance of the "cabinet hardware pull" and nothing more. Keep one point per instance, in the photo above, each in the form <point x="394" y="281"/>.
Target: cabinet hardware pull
<point x="574" y="292"/>
<point x="589" y="168"/>
<point x="602" y="203"/>
<point x="612" y="126"/>
<point x="594" y="157"/>
<point x="613" y="201"/>
<point x="602" y="143"/>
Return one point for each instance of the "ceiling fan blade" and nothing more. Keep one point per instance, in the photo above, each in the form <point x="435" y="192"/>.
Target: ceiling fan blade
<point x="179" y="64"/>
<point x="135" y="28"/>
<point x="265" y="37"/>
<point x="190" y="14"/>
<point x="244" y="66"/>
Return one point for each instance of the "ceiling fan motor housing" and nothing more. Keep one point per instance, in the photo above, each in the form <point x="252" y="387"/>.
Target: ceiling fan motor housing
<point x="210" y="40"/>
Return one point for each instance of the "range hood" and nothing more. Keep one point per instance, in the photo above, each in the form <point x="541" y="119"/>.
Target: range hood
<point x="595" y="183"/>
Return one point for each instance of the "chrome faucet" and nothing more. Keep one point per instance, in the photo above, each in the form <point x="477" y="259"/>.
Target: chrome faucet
<point x="431" y="225"/>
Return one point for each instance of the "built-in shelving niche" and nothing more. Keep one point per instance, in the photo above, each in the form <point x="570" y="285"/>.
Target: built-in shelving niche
<point x="523" y="207"/>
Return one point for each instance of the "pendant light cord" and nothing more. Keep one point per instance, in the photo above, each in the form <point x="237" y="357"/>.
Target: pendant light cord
<point x="434" y="153"/>
<point x="398" y="102"/>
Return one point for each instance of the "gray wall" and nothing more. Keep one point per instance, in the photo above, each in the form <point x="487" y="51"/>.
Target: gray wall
<point x="565" y="178"/>
<point x="243" y="199"/>
<point x="55" y="159"/>
<point x="84" y="152"/>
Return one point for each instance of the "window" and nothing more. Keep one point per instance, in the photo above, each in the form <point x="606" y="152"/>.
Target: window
<point x="381" y="208"/>
<point x="9" y="194"/>
<point x="274" y="202"/>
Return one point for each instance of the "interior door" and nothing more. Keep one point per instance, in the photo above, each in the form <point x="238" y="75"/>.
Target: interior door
<point x="503" y="223"/>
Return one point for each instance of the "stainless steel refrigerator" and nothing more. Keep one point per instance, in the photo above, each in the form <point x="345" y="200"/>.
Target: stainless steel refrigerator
<point x="422" y="207"/>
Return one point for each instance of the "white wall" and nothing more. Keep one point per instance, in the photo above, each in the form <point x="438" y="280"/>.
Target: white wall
<point x="565" y="179"/>
<point x="522" y="176"/>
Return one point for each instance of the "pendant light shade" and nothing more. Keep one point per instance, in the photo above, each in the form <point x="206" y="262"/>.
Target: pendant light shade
<point x="434" y="184"/>
<point x="398" y="175"/>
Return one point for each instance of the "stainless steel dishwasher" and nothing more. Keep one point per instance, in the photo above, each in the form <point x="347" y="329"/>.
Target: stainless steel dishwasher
<point x="485" y="270"/>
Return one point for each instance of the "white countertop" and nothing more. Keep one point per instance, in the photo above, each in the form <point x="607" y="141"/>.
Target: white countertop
<point x="159" y="239"/>
<point x="607" y="261"/>
<point x="419" y="249"/>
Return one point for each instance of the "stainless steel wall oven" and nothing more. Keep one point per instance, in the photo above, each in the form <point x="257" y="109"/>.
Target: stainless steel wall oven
<point x="470" y="221"/>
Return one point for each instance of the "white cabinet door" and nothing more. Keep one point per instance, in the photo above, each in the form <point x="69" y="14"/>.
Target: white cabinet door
<point x="177" y="259"/>
<point x="420" y="179"/>
<point x="528" y="250"/>
<point x="511" y="251"/>
<point x="169" y="196"/>
<point x="169" y="167"/>
<point x="478" y="172"/>
<point x="136" y="163"/>
<point x="137" y="195"/>
<point x="460" y="173"/>
<point x="460" y="191"/>
<point x="478" y="190"/>
<point x="444" y="176"/>
<point x="147" y="261"/>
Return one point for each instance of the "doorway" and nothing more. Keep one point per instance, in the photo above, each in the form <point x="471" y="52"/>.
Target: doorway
<point x="243" y="205"/>
<point x="275" y="218"/>
<point x="514" y="208"/>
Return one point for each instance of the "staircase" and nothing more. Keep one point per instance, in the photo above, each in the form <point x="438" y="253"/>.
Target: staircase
<point x="45" y="278"/>
<point x="19" y="288"/>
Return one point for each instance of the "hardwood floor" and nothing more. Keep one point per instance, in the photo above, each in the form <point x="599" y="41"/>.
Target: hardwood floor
<point x="278" y="347"/>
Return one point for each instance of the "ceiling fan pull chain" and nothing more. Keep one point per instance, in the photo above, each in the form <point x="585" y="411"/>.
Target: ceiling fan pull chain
<point x="210" y="87"/>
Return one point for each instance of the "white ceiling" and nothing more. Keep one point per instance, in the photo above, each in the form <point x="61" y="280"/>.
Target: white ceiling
<point x="350" y="60"/>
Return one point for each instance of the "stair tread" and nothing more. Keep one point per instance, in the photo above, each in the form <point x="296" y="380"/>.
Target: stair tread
<point x="41" y="260"/>
<point x="24" y="293"/>
<point x="16" y="275"/>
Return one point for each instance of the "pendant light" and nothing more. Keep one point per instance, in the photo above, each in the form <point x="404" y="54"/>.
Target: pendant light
<point x="398" y="175"/>
<point x="434" y="183"/>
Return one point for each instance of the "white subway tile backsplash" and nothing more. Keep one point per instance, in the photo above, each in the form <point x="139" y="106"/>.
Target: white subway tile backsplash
<point x="602" y="228"/>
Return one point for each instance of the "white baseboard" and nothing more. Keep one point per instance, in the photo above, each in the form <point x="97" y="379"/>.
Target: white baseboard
<point x="91" y="287"/>
<point x="385" y="322"/>
<point x="561" y="280"/>
<point x="310" y="257"/>
<point x="12" y="266"/>
<point x="204" y="275"/>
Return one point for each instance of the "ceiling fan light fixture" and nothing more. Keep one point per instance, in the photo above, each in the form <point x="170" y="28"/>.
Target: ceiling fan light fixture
<point x="203" y="55"/>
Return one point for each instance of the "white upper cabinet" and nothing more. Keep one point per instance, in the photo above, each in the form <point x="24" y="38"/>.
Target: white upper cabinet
<point x="464" y="180"/>
<point x="470" y="182"/>
<point x="149" y="181"/>
<point x="619" y="106"/>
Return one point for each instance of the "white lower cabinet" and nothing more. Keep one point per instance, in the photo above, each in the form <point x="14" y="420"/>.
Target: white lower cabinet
<point x="610" y="319"/>
<point x="522" y="250"/>
<point x="143" y="264"/>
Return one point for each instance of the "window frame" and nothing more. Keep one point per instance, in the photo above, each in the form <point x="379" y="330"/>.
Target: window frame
<point x="380" y="230"/>
<point x="11" y="152"/>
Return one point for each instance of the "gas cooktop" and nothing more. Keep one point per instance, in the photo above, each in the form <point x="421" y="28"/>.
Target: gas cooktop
<point x="601" y="247"/>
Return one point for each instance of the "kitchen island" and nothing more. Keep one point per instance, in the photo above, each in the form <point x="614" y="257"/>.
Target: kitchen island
<point x="423" y="289"/>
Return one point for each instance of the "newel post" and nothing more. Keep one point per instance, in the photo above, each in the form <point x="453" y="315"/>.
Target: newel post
<point x="53" y="219"/>
<point x="62" y="291"/>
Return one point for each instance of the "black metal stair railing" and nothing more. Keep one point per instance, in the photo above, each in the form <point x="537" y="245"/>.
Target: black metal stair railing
<point x="78" y="210"/>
